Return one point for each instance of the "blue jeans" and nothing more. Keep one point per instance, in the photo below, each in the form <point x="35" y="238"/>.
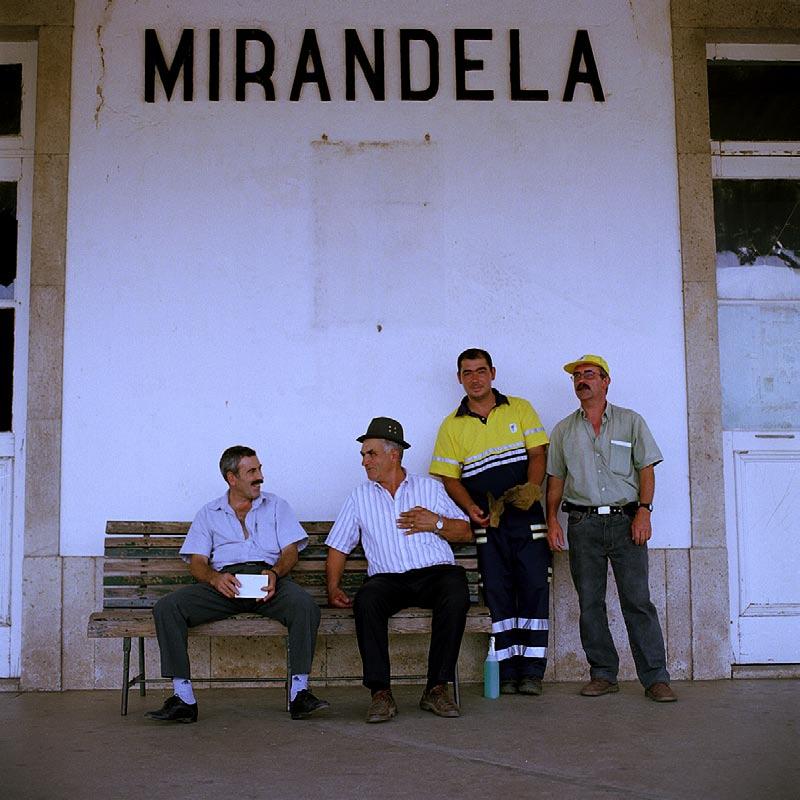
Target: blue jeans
<point x="595" y="540"/>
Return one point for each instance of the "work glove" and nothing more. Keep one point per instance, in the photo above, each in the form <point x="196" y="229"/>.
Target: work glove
<point x="521" y="496"/>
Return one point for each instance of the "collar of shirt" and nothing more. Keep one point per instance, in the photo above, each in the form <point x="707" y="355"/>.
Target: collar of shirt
<point x="464" y="409"/>
<point x="223" y="504"/>
<point x="606" y="412"/>
<point x="402" y="483"/>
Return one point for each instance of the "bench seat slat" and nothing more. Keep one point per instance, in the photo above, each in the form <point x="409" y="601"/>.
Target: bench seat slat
<point x="114" y="623"/>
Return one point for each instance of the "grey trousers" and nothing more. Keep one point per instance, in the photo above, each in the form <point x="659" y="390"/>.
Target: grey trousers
<point x="193" y="605"/>
<point x="594" y="541"/>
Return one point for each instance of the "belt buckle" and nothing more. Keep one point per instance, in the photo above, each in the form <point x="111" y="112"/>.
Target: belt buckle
<point x="603" y="510"/>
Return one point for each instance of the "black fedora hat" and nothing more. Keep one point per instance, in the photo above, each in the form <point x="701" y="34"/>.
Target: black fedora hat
<point x="385" y="428"/>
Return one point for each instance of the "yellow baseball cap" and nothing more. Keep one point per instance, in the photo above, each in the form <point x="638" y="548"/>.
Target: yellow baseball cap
<point x="598" y="361"/>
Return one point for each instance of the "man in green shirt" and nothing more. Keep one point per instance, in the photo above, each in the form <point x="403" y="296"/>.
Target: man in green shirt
<point x="601" y="464"/>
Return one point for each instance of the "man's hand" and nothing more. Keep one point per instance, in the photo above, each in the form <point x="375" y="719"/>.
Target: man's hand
<point x="271" y="587"/>
<point x="555" y="535"/>
<point x="417" y="520"/>
<point x="478" y="516"/>
<point x="460" y="495"/>
<point x="641" y="530"/>
<point x="225" y="583"/>
<point x="338" y="598"/>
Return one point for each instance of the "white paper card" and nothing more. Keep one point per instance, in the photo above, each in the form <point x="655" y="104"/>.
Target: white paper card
<point x="251" y="585"/>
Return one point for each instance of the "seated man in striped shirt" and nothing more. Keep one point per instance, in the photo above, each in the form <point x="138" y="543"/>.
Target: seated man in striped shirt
<point x="404" y="522"/>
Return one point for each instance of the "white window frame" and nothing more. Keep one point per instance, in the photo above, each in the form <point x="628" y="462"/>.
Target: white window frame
<point x="749" y="160"/>
<point x="736" y="159"/>
<point x="16" y="164"/>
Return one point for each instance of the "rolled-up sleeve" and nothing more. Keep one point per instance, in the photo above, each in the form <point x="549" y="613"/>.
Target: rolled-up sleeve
<point x="446" y="506"/>
<point x="447" y="460"/>
<point x="556" y="464"/>
<point x="198" y="540"/>
<point x="287" y="526"/>
<point x="532" y="428"/>
<point x="345" y="533"/>
<point x="645" y="450"/>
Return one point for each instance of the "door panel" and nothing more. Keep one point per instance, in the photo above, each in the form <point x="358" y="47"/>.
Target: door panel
<point x="764" y="543"/>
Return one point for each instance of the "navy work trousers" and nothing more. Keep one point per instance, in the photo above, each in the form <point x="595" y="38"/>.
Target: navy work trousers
<point x="515" y="567"/>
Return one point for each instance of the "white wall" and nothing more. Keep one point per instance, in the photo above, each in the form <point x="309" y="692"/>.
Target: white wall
<point x="228" y="265"/>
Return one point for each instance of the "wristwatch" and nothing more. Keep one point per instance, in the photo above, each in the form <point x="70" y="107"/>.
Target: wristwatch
<point x="648" y="506"/>
<point x="439" y="523"/>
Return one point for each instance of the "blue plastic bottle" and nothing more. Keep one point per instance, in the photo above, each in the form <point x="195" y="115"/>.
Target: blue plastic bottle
<point x="491" y="673"/>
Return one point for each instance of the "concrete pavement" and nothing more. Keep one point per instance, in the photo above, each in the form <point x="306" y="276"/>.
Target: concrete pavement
<point x="722" y="739"/>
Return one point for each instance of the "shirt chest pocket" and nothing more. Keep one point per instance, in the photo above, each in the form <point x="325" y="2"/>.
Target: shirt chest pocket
<point x="620" y="457"/>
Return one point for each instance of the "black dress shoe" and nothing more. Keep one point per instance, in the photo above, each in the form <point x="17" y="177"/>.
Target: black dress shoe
<point x="175" y="710"/>
<point x="305" y="704"/>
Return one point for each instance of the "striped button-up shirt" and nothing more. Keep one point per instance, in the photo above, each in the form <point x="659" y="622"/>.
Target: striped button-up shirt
<point x="370" y="514"/>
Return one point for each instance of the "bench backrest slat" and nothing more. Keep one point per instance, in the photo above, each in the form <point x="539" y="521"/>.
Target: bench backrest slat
<point x="142" y="563"/>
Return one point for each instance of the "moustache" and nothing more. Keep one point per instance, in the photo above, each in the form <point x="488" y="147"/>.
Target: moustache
<point x="582" y="386"/>
<point x="257" y="483"/>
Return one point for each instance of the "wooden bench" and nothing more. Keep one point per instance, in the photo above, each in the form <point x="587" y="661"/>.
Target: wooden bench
<point x="142" y="564"/>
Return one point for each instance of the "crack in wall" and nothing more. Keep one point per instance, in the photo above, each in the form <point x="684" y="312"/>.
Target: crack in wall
<point x="99" y="88"/>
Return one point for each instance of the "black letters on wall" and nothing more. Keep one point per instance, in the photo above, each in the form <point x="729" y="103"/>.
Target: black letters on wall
<point x="515" y="70"/>
<point x="309" y="67"/>
<point x="154" y="60"/>
<point x="408" y="35"/>
<point x="583" y="50"/>
<point x="464" y="64"/>
<point x="309" y="49"/>
<point x="261" y="76"/>
<point x="375" y="76"/>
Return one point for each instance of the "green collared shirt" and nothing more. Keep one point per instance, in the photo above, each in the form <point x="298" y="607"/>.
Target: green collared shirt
<point x="604" y="469"/>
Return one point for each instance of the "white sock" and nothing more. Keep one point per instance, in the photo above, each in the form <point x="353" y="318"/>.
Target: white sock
<point x="299" y="682"/>
<point x="183" y="688"/>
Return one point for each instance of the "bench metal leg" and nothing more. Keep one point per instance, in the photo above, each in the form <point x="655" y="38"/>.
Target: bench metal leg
<point x="456" y="688"/>
<point x="126" y="670"/>
<point x="288" y="676"/>
<point x="142" y="677"/>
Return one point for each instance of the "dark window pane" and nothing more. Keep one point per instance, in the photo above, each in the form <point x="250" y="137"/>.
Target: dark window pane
<point x="10" y="99"/>
<point x="8" y="238"/>
<point x="757" y="221"/>
<point x="754" y="101"/>
<point x="6" y="366"/>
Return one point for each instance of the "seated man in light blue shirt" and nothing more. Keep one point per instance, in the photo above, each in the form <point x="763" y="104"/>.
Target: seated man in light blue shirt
<point x="246" y="531"/>
<point x="404" y="523"/>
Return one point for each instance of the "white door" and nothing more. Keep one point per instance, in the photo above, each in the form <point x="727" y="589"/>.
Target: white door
<point x="763" y="522"/>
<point x="18" y="89"/>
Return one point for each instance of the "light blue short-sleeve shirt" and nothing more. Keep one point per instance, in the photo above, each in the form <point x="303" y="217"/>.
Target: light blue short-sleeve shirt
<point x="217" y="533"/>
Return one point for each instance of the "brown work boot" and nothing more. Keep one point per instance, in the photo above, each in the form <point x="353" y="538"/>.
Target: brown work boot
<point x="382" y="708"/>
<point x="530" y="686"/>
<point x="599" y="686"/>
<point x="661" y="693"/>
<point x="437" y="699"/>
